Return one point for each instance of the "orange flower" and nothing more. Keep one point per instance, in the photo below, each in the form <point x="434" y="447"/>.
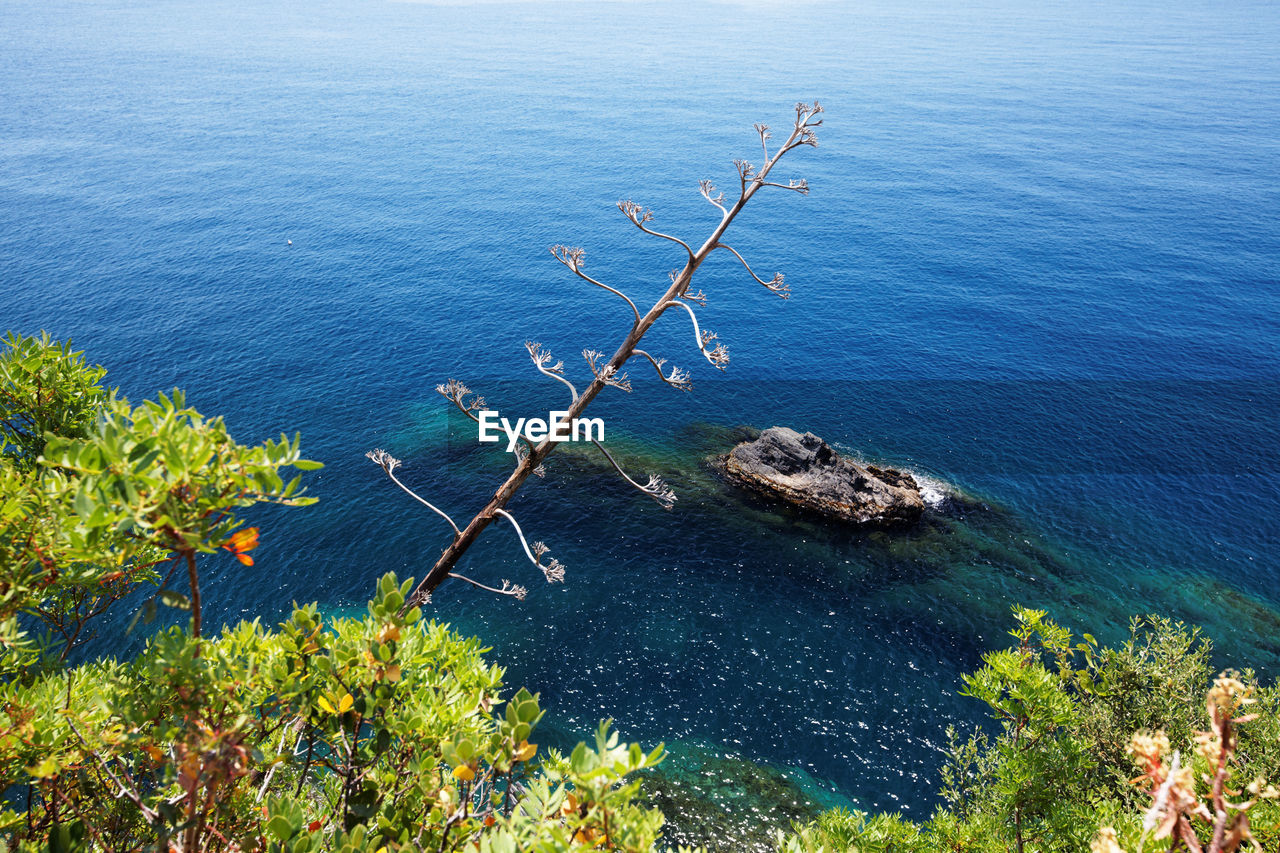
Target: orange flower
<point x="242" y="541"/>
<point x="588" y="836"/>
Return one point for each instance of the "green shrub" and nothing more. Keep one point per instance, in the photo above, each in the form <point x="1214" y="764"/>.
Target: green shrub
<point x="382" y="733"/>
<point x="1061" y="766"/>
<point x="386" y="731"/>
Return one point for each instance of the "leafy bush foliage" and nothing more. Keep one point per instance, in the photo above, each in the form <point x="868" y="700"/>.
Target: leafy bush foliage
<point x="382" y="733"/>
<point x="347" y="734"/>
<point x="45" y="387"/>
<point x="98" y="497"/>
<point x="1058" y="774"/>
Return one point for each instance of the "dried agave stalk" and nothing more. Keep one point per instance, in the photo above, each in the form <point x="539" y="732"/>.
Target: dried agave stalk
<point x="530" y="457"/>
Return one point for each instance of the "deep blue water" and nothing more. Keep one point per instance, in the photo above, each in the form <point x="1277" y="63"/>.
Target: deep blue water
<point x="1038" y="262"/>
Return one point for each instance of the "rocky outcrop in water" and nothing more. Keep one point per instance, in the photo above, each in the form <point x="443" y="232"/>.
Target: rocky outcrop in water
<point x="804" y="471"/>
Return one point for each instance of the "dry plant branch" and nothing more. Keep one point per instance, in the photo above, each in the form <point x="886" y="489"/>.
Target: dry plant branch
<point x="609" y="373"/>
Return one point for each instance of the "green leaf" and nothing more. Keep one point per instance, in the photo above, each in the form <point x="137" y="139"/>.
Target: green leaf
<point x="173" y="598"/>
<point x="280" y="827"/>
<point x="527" y="712"/>
<point x="83" y="504"/>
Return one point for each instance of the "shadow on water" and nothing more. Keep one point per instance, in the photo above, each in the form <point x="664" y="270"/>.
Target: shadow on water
<point x="965" y="548"/>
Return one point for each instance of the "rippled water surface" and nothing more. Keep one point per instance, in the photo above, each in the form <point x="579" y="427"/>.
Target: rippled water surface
<point x="1038" y="263"/>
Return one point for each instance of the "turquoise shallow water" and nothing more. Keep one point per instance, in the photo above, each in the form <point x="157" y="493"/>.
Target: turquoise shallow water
<point x="1038" y="262"/>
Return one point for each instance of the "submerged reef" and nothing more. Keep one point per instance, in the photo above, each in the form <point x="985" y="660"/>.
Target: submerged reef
<point x="728" y="803"/>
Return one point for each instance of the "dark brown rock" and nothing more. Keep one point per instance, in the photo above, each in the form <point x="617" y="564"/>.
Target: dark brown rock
<point x="804" y="471"/>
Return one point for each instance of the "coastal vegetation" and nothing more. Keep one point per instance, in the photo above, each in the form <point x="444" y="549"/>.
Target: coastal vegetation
<point x="376" y="733"/>
<point x="1137" y="746"/>
<point x="390" y="731"/>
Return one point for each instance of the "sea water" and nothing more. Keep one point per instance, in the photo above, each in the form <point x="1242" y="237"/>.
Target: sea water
<point x="1037" y="267"/>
